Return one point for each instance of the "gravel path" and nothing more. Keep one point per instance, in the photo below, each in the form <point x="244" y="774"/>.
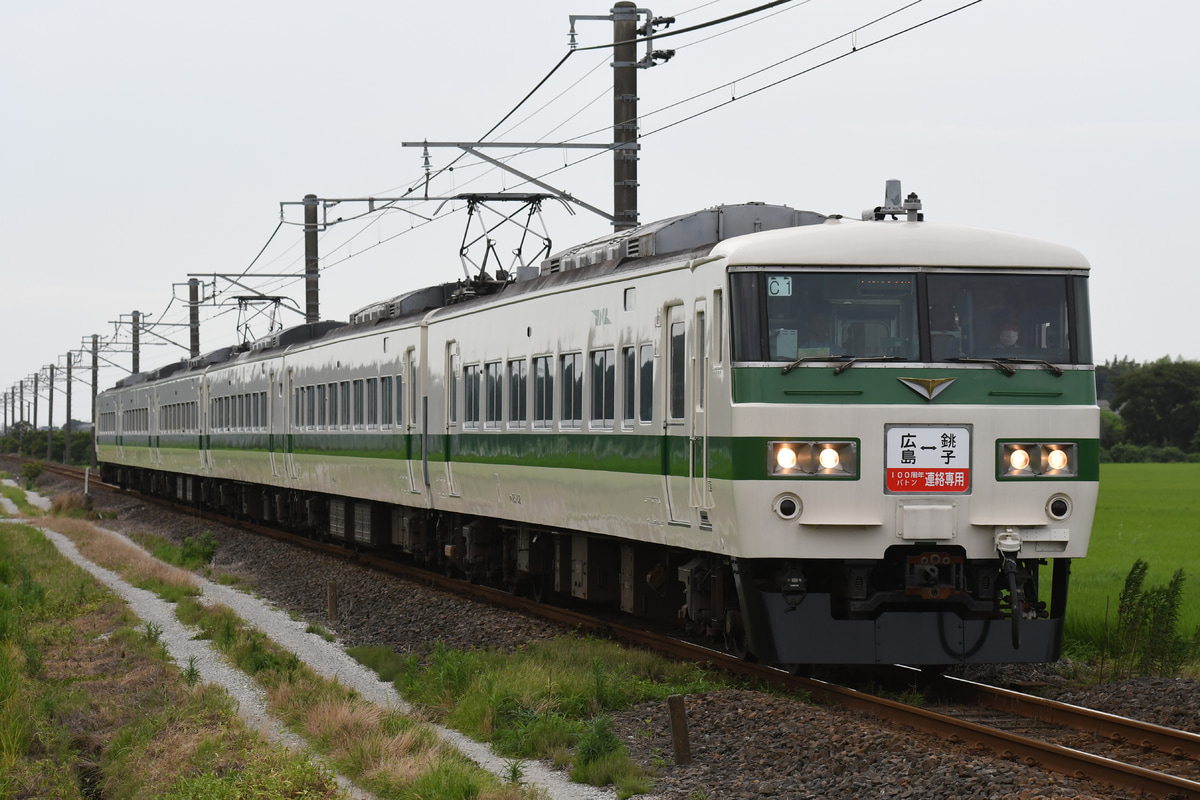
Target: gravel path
<point x="744" y="744"/>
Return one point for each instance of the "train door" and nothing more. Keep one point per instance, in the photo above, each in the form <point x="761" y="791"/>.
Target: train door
<point x="452" y="370"/>
<point x="411" y="414"/>
<point x="291" y="424"/>
<point x="699" y="493"/>
<point x="274" y="428"/>
<point x="205" y="411"/>
<point x="677" y="419"/>
<point x="119" y="426"/>
<point x="154" y="426"/>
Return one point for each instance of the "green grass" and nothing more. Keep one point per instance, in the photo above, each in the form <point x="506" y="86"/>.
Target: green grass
<point x="1146" y="511"/>
<point x="195" y="552"/>
<point x="550" y="700"/>
<point x="91" y="707"/>
<point x="20" y="500"/>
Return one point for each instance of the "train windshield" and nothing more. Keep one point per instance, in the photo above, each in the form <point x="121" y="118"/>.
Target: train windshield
<point x="785" y="315"/>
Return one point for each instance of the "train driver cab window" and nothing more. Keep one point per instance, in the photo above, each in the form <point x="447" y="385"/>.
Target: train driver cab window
<point x="785" y="316"/>
<point x="1010" y="316"/>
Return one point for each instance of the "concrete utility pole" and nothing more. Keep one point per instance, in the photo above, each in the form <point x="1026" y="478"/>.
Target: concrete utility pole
<point x="35" y="400"/>
<point x="50" y="418"/>
<point x="137" y="319"/>
<point x="193" y="316"/>
<point x="21" y="434"/>
<point x="67" y="433"/>
<point x="625" y="116"/>
<point x="312" y="305"/>
<point x="95" y="387"/>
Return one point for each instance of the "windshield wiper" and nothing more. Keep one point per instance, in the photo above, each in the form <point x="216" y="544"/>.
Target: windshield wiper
<point x="849" y="361"/>
<point x="842" y="368"/>
<point x="1000" y="365"/>
<point x="806" y="359"/>
<point x="1052" y="367"/>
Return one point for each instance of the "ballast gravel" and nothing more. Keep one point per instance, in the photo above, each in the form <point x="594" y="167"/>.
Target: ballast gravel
<point x="744" y="744"/>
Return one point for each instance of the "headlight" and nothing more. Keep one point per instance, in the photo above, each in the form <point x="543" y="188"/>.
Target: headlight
<point x="785" y="457"/>
<point x="812" y="458"/>
<point x="829" y="458"/>
<point x="1038" y="460"/>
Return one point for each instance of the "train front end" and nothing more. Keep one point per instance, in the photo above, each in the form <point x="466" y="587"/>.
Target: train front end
<point x="914" y="439"/>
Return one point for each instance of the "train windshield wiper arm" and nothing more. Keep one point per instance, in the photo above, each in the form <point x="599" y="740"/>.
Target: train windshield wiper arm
<point x="1052" y="367"/>
<point x="1000" y="365"/>
<point x="806" y="359"/>
<point x="843" y="367"/>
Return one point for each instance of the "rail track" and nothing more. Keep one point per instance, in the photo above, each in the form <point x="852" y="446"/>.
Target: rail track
<point x="1153" y="760"/>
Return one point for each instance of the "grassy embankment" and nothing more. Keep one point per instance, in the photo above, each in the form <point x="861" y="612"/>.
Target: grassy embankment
<point x="91" y="705"/>
<point x="1146" y="511"/>
<point x="391" y="755"/>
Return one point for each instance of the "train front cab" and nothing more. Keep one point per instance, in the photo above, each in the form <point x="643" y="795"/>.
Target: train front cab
<point x="922" y="487"/>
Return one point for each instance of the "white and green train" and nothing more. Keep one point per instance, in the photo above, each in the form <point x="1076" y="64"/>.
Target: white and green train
<point x="814" y="439"/>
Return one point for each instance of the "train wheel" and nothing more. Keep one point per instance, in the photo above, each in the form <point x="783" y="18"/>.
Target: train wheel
<point x="735" y="635"/>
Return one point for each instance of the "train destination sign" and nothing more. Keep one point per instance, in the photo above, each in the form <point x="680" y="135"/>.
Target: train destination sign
<point x="928" y="458"/>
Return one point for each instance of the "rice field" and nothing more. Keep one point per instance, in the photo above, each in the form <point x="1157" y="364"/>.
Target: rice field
<point x="1146" y="511"/>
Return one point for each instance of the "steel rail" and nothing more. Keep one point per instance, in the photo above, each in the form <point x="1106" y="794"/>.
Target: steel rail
<point x="1110" y="726"/>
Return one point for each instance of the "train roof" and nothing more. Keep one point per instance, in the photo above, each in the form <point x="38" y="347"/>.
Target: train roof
<point x="900" y="244"/>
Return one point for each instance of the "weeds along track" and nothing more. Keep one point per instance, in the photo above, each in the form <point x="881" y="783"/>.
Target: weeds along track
<point x="1081" y="743"/>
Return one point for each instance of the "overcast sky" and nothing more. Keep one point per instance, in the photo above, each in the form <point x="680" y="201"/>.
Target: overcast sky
<point x="145" y="141"/>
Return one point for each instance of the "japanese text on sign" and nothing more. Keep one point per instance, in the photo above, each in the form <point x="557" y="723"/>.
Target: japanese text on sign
<point x="925" y="458"/>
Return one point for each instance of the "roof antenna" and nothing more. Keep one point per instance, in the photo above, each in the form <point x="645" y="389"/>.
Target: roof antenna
<point x="892" y="205"/>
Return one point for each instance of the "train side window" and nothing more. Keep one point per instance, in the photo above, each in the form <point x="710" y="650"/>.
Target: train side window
<point x="572" y="390"/>
<point x="628" y="386"/>
<point x="358" y="403"/>
<point x="399" y="400"/>
<point x="493" y="394"/>
<point x="333" y="405"/>
<point x="451" y="385"/>
<point x="471" y="396"/>
<point x="543" y="392"/>
<point x="372" y="402"/>
<point x="646" y="384"/>
<point x="262" y="408"/>
<point x="603" y="389"/>
<point x="344" y="386"/>
<point x="518" y="376"/>
<point x="322" y="398"/>
<point x="385" y="401"/>
<point x="701" y="371"/>
<point x="414" y="387"/>
<point x="310" y="406"/>
<point x="678" y="360"/>
<point x="717" y="328"/>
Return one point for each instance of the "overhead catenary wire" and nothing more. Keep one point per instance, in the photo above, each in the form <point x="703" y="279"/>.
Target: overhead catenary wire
<point x="257" y="261"/>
